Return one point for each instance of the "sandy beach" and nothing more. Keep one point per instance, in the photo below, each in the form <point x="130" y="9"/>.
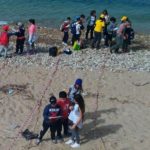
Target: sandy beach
<point x="117" y="100"/>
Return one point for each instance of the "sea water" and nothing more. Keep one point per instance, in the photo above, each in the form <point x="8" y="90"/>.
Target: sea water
<point x="51" y="13"/>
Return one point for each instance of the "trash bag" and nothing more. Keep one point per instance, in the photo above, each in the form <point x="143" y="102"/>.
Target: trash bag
<point x="28" y="135"/>
<point x="76" y="46"/>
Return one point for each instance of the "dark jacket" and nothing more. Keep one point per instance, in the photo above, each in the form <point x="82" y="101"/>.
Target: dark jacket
<point x="52" y="111"/>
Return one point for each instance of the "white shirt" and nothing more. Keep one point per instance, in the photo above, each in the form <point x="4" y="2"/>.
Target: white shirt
<point x="78" y="28"/>
<point x="75" y="115"/>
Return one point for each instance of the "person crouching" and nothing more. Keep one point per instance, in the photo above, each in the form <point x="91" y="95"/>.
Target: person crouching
<point x="52" y="119"/>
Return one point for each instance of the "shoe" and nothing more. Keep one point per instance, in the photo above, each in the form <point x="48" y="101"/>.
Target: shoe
<point x="38" y="141"/>
<point x="65" y="44"/>
<point x="54" y="141"/>
<point x="60" y="140"/>
<point x="69" y="142"/>
<point x="75" y="145"/>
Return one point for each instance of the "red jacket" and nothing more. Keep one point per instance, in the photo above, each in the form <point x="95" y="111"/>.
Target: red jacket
<point x="64" y="104"/>
<point x="4" y="38"/>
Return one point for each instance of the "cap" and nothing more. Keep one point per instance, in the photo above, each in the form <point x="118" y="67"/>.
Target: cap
<point x="20" y="24"/>
<point x="5" y="27"/>
<point x="102" y="16"/>
<point x="52" y="100"/>
<point x="124" y="18"/>
<point x="79" y="82"/>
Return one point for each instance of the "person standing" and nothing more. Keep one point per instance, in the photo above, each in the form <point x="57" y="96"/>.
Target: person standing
<point x="20" y="38"/>
<point x="75" y="89"/>
<point x="52" y="119"/>
<point x="90" y="26"/>
<point x="32" y="35"/>
<point x="76" y="118"/>
<point x="65" y="29"/>
<point x="99" y="26"/>
<point x="64" y="103"/>
<point x="4" y="40"/>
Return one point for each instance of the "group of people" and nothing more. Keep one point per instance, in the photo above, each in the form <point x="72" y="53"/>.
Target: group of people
<point x="20" y="40"/>
<point x="98" y="27"/>
<point x="65" y="112"/>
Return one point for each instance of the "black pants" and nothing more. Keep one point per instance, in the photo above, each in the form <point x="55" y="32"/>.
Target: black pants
<point x="19" y="46"/>
<point x="97" y="39"/>
<point x="65" y="126"/>
<point x="55" y="126"/>
<point x="108" y="39"/>
<point x="75" y="37"/>
<point x="89" y="29"/>
<point x="65" y="38"/>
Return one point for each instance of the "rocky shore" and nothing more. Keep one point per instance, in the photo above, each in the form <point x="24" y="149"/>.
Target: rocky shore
<point x="137" y="59"/>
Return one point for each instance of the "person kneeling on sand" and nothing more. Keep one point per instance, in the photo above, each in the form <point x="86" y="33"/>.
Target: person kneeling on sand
<point x="52" y="119"/>
<point x="4" y="40"/>
<point x="76" y="121"/>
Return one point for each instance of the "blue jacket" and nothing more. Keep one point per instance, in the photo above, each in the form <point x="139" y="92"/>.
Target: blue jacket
<point x="52" y="111"/>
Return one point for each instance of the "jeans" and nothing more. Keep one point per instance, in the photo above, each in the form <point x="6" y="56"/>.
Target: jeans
<point x="65" y="38"/>
<point x="97" y="39"/>
<point x="5" y="49"/>
<point x="119" y="44"/>
<point x="75" y="135"/>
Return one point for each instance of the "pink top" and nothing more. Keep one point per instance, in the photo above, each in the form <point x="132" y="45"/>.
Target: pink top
<point x="32" y="29"/>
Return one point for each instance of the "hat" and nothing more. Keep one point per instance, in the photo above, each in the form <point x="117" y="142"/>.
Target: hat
<point x="79" y="82"/>
<point x="20" y="24"/>
<point x="52" y="100"/>
<point x="102" y="16"/>
<point x="124" y="18"/>
<point x="5" y="27"/>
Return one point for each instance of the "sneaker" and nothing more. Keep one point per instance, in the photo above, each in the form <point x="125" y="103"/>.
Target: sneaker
<point x="38" y="141"/>
<point x="75" y="145"/>
<point x="54" y="141"/>
<point x="60" y="140"/>
<point x="69" y="142"/>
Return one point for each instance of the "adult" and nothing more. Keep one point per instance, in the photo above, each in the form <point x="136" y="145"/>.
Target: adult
<point x="99" y="26"/>
<point x="32" y="35"/>
<point x="120" y="36"/>
<point x="4" y="40"/>
<point x="90" y="24"/>
<point x="65" y="29"/>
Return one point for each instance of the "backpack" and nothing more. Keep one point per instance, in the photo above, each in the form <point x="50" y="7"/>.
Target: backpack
<point x="131" y="34"/>
<point x="53" y="51"/>
<point x="73" y="28"/>
<point x="4" y="40"/>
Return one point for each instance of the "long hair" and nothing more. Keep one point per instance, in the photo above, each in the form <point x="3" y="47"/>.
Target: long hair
<point x="79" y="99"/>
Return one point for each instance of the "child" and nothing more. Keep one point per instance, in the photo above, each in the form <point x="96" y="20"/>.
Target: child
<point x="4" y="40"/>
<point x="65" y="28"/>
<point x="52" y="119"/>
<point x="76" y="117"/>
<point x="20" y="38"/>
<point x="64" y="103"/>
<point x="75" y="89"/>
